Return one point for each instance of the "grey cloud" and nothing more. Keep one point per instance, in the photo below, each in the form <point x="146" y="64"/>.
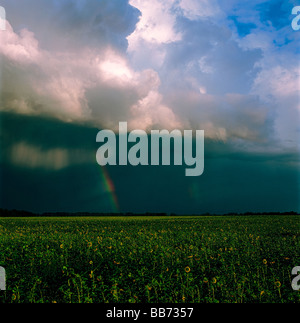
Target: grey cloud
<point x="72" y="24"/>
<point x="70" y="64"/>
<point x="234" y="180"/>
<point x="204" y="78"/>
<point x="231" y="68"/>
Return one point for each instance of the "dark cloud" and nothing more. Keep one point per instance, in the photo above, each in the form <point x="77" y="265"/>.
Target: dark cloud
<point x="233" y="181"/>
<point x="69" y="67"/>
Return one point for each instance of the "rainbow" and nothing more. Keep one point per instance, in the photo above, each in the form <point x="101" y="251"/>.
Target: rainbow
<point x="110" y="188"/>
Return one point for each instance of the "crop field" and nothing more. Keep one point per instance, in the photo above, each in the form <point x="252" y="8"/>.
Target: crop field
<point x="183" y="259"/>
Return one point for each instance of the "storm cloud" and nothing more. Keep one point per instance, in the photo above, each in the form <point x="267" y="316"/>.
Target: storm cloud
<point x="228" y="68"/>
<point x="104" y="61"/>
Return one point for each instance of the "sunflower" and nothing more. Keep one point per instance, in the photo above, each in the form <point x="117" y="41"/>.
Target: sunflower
<point x="187" y="269"/>
<point x="278" y="284"/>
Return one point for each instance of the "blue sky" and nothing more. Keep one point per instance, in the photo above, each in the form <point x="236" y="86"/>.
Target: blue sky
<point x="230" y="68"/>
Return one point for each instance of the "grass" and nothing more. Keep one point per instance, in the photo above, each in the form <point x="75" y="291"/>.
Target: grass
<point x="227" y="259"/>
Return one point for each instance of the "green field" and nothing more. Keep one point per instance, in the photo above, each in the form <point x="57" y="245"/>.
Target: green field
<point x="235" y="259"/>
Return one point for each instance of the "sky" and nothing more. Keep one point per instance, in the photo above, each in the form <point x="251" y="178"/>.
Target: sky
<point x="69" y="68"/>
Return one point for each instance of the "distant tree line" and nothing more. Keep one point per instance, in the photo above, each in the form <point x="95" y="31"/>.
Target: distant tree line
<point x="265" y="213"/>
<point x="21" y="213"/>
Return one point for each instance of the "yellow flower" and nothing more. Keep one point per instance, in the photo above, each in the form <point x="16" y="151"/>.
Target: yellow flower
<point x="278" y="284"/>
<point x="265" y="261"/>
<point x="187" y="269"/>
<point x="91" y="262"/>
<point x="262" y="292"/>
<point x="183" y="298"/>
<point x="61" y="246"/>
<point x="214" y="280"/>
